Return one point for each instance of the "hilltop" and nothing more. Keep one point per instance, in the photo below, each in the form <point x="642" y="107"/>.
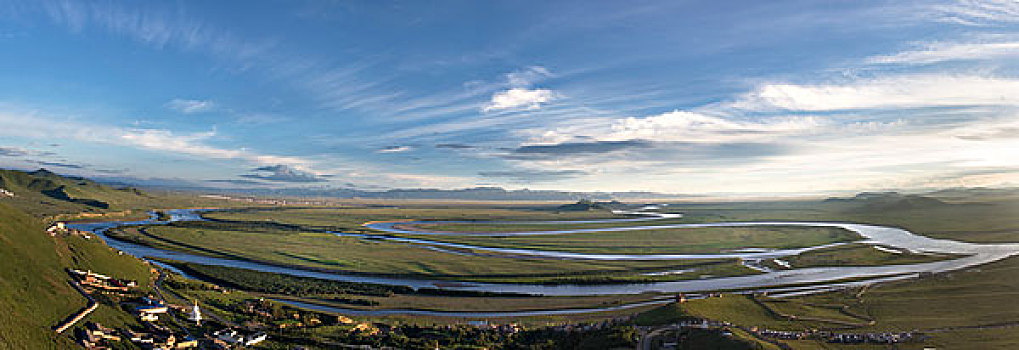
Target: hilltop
<point x="586" y="204"/>
<point x="889" y="201"/>
<point x="44" y="193"/>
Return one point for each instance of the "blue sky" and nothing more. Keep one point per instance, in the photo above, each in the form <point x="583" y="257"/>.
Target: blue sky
<point x="671" y="96"/>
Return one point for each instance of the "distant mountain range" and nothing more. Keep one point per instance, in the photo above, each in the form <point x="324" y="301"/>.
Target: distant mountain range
<point x="474" y="193"/>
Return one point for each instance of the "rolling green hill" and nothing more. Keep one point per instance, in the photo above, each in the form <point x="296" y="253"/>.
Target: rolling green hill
<point x="42" y="193"/>
<point x="34" y="293"/>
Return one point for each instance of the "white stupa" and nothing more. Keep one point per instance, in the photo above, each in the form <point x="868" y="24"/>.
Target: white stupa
<point x="196" y="314"/>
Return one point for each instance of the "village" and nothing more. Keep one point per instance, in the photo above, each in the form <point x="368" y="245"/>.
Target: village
<point x="163" y="328"/>
<point x="164" y="325"/>
<point x="725" y="329"/>
<point x="669" y="336"/>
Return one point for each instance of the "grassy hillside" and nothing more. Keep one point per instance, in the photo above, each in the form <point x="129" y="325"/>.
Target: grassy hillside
<point x="34" y="294"/>
<point x="45" y="194"/>
<point x="42" y="191"/>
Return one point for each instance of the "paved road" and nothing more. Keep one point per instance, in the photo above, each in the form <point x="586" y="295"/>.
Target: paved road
<point x="92" y="305"/>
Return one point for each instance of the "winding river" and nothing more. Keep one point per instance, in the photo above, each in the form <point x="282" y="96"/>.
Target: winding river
<point x="782" y="282"/>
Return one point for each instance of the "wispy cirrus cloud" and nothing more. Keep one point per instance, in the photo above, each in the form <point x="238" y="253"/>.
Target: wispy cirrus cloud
<point x="533" y="175"/>
<point x="187" y="106"/>
<point x="454" y="146"/>
<point x="528" y="76"/>
<point x="334" y="85"/>
<point x="578" y="148"/>
<point x="938" y="52"/>
<point x="977" y="12"/>
<point x="161" y="140"/>
<point x="160" y="26"/>
<point x="900" y="91"/>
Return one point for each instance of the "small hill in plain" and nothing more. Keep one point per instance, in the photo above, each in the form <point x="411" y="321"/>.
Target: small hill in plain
<point x="888" y="201"/>
<point x="585" y="205"/>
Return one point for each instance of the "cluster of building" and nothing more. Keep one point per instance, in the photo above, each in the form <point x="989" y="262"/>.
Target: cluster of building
<point x="835" y="337"/>
<point x="94" y="334"/>
<point x="148" y="310"/>
<point x="156" y="336"/>
<point x="160" y="338"/>
<point x="232" y="337"/>
<point x="6" y="193"/>
<point x="881" y="338"/>
<point x="62" y="229"/>
<point x="101" y="282"/>
<point x="507" y="328"/>
<point x="272" y="201"/>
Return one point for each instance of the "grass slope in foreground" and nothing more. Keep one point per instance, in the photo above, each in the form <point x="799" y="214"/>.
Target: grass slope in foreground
<point x="35" y="293"/>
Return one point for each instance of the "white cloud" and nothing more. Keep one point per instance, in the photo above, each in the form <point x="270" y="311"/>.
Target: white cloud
<point x="906" y="91"/>
<point x="519" y="98"/>
<point x="941" y="52"/>
<point x="978" y="12"/>
<point x="195" y="144"/>
<point x="689" y="126"/>
<point x="165" y="140"/>
<point x="190" y="106"/>
<point x="681" y="126"/>
<point x="527" y="76"/>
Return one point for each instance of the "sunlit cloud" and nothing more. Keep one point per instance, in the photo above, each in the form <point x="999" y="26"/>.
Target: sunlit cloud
<point x="902" y="91"/>
<point x="519" y="98"/>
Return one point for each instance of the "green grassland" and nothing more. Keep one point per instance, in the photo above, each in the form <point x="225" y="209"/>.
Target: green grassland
<point x="857" y="254"/>
<point x="371" y="296"/>
<point x="510" y="226"/>
<point x="979" y="218"/>
<point x="955" y="309"/>
<point x="702" y="240"/>
<point x="326" y="251"/>
<point x="353" y="218"/>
